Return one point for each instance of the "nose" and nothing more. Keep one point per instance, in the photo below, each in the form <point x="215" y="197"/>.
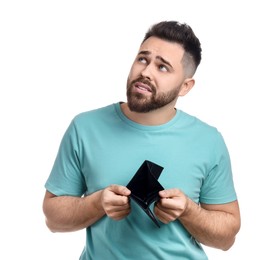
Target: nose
<point x="147" y="72"/>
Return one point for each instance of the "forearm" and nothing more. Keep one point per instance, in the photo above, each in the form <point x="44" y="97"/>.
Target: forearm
<point x="67" y="213"/>
<point x="214" y="228"/>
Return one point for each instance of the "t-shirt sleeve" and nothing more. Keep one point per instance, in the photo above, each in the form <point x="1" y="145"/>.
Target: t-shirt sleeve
<point x="218" y="186"/>
<point x="66" y="176"/>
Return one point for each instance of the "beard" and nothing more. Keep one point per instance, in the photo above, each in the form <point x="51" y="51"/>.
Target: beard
<point x="138" y="102"/>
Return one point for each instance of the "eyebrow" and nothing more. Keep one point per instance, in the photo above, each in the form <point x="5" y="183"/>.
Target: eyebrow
<point x="157" y="57"/>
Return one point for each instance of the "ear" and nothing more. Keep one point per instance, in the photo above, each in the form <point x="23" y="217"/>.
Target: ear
<point x="186" y="86"/>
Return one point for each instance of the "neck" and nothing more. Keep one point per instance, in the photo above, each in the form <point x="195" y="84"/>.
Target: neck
<point x="156" y="117"/>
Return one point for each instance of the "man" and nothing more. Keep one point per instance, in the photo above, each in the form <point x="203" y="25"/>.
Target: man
<point x="102" y="149"/>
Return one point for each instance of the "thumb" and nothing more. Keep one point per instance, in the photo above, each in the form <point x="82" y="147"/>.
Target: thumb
<point x="120" y="190"/>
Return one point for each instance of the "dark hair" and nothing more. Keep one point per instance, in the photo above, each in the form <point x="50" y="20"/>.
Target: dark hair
<point x="182" y="34"/>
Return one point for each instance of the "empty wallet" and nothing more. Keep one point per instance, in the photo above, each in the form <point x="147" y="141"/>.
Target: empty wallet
<point x="144" y="187"/>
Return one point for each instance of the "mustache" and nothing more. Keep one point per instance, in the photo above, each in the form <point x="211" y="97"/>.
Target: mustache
<point x="144" y="81"/>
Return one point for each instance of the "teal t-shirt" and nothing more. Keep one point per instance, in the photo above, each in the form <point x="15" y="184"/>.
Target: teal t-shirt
<point x="103" y="147"/>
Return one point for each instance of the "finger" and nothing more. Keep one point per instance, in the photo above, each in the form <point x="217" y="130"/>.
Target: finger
<point x="162" y="215"/>
<point x="167" y="203"/>
<point x="120" y="190"/>
<point x="118" y="212"/>
<point x="119" y="215"/>
<point x="120" y="207"/>
<point x="120" y="200"/>
<point x="169" y="193"/>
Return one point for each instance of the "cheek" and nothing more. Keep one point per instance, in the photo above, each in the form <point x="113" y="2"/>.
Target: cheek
<point x="131" y="72"/>
<point x="166" y="84"/>
<point x="137" y="68"/>
<point x="129" y="79"/>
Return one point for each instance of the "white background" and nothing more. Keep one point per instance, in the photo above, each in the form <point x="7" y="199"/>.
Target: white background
<point x="59" y="58"/>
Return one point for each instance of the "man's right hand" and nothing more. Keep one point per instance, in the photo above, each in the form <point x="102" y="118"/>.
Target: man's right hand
<point x="115" y="201"/>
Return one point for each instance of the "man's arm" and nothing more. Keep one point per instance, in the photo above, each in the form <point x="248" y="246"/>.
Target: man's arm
<point x="212" y="225"/>
<point x="69" y="213"/>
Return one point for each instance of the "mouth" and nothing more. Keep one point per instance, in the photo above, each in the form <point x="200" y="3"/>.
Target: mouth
<point x="142" y="87"/>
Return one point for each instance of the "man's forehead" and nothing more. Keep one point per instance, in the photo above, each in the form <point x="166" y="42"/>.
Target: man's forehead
<point x="158" y="47"/>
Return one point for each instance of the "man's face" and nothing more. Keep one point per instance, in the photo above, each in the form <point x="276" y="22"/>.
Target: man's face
<point x="156" y="76"/>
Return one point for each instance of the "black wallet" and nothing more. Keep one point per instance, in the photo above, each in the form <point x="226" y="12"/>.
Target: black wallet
<point x="144" y="187"/>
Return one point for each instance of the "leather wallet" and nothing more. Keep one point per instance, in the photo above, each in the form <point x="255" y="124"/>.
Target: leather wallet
<point x="144" y="187"/>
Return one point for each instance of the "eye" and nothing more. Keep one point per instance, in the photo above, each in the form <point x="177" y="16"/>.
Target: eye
<point x="163" y="68"/>
<point x="142" y="60"/>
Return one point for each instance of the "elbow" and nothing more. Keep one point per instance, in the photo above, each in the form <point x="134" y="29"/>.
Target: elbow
<point x="228" y="245"/>
<point x="55" y="228"/>
<point x="230" y="242"/>
<point x="50" y="226"/>
<point x="48" y="213"/>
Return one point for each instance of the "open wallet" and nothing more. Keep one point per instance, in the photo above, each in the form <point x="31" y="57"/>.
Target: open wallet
<point x="144" y="187"/>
